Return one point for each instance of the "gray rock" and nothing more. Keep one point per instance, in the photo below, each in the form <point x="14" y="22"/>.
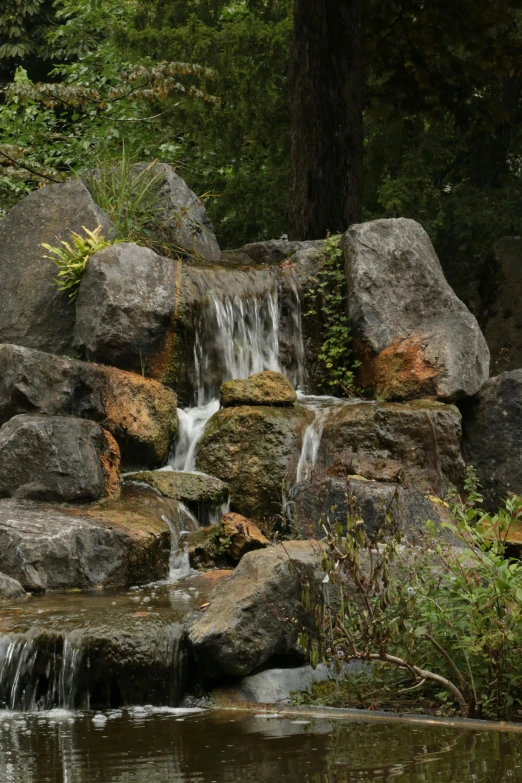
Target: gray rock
<point x="274" y="251"/>
<point x="249" y="619"/>
<point x="34" y="313"/>
<point x="125" y="306"/>
<point x="139" y="412"/>
<point x="60" y="548"/>
<point x="205" y="496"/>
<point x="180" y="216"/>
<point x="276" y="686"/>
<point x="423" y="436"/>
<point x="57" y="458"/>
<point x="333" y="499"/>
<point x="10" y="589"/>
<point x="415" y="336"/>
<point x="492" y="436"/>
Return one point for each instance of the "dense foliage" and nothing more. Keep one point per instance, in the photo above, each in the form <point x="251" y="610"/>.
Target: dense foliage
<point x="443" y="87"/>
<point x="448" y="617"/>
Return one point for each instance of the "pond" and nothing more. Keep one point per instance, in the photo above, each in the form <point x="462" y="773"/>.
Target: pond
<point x="149" y="745"/>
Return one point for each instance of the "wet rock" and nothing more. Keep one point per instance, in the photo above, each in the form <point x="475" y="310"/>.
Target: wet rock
<point x="139" y="412"/>
<point x="248" y="621"/>
<point x="255" y="451"/>
<point x="179" y="216"/>
<point x="498" y="306"/>
<point x="10" y="589"/>
<point x="57" y="458"/>
<point x="492" y="434"/>
<point x="416" y="338"/>
<point x="334" y="499"/>
<point x="34" y="313"/>
<point x="125" y="306"/>
<point x="273" y="251"/>
<point x="422" y="436"/>
<point x="263" y="388"/>
<point x="203" y="495"/>
<point x="49" y="547"/>
<point x="223" y="545"/>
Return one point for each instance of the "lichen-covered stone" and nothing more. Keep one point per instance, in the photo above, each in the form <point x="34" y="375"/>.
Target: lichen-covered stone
<point x="248" y="621"/>
<point x="414" y="335"/>
<point x="139" y="412"/>
<point x="263" y="388"/>
<point x="255" y="450"/>
<point x="375" y="439"/>
<point x="33" y="312"/>
<point x="57" y="458"/>
<point x="53" y="547"/>
<point x="223" y="545"/>
<point x="492" y="436"/>
<point x="204" y="495"/>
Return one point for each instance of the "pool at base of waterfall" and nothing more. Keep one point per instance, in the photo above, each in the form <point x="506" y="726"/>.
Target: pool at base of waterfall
<point x="146" y="744"/>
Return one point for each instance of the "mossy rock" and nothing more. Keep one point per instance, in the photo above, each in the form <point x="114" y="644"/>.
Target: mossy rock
<point x="263" y="388"/>
<point x="255" y="450"/>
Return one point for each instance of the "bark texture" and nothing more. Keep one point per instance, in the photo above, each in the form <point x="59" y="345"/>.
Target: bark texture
<point x="326" y="102"/>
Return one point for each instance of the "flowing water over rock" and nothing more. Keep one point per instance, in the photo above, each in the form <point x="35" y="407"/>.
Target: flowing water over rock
<point x="237" y="333"/>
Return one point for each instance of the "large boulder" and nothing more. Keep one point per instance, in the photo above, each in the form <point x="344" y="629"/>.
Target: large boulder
<point x="255" y="451"/>
<point x="492" y="436"/>
<point x="48" y="547"/>
<point x="249" y="620"/>
<point x="57" y="458"/>
<point x="125" y="306"/>
<point x="328" y="500"/>
<point x="416" y="338"/>
<point x="272" y="251"/>
<point x="34" y="313"/>
<point x="500" y="293"/>
<point x="139" y="412"/>
<point x="179" y="217"/>
<point x="263" y="388"/>
<point x="205" y="496"/>
<point x="417" y="443"/>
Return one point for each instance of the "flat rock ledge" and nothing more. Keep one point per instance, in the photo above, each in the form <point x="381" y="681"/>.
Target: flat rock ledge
<point x="263" y="388"/>
<point x="48" y="547"/>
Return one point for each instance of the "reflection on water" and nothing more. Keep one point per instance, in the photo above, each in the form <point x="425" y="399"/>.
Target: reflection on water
<point x="142" y="745"/>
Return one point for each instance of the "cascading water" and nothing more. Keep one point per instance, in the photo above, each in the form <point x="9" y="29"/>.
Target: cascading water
<point x="236" y="335"/>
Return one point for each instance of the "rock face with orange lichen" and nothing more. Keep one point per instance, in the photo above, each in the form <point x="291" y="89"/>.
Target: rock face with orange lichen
<point x="223" y="545"/>
<point x="263" y="388"/>
<point x="416" y="338"/>
<point x="139" y="412"/>
<point x="57" y="458"/>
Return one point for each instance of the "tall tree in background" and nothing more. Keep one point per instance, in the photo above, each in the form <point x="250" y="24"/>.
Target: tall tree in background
<point x="326" y="117"/>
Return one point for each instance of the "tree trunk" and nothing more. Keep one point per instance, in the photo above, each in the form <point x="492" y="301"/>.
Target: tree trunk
<point x="326" y="103"/>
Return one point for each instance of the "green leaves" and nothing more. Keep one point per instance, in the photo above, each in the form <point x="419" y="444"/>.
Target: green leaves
<point x="71" y="260"/>
<point x="325" y="297"/>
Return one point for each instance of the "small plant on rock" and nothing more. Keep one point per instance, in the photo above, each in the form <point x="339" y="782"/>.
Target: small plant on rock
<point x="71" y="259"/>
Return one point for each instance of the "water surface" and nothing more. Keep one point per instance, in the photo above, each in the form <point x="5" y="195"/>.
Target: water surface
<point x="142" y="745"/>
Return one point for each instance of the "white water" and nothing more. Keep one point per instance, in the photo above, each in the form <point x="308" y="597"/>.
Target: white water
<point x="235" y="338"/>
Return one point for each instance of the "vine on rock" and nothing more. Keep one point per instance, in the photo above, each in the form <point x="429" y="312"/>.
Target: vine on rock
<point x="325" y="298"/>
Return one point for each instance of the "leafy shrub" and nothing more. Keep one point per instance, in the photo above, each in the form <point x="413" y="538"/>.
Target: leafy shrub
<point x="71" y="260"/>
<point x="449" y="617"/>
<point x="325" y="297"/>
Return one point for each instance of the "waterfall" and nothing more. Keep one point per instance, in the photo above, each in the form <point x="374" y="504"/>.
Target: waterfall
<point x="236" y="335"/>
<point x="310" y="448"/>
